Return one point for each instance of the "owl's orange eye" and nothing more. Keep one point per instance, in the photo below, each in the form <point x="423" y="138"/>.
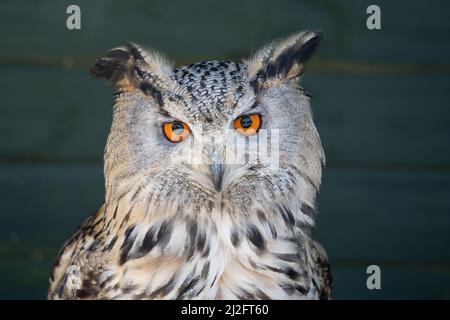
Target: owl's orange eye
<point x="248" y="125"/>
<point x="176" y="131"/>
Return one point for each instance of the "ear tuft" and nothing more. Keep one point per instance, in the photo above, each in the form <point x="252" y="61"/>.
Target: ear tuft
<point x="284" y="60"/>
<point x="119" y="65"/>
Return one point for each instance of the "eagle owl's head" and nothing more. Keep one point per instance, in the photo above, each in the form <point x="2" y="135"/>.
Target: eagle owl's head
<point x="236" y="136"/>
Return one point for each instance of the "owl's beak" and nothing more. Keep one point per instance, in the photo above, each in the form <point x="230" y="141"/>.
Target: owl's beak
<point x="217" y="174"/>
<point x="217" y="170"/>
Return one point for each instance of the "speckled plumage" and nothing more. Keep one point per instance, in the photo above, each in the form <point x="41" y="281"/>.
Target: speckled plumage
<point x="165" y="231"/>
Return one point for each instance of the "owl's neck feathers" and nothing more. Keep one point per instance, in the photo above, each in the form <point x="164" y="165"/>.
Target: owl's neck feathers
<point x="156" y="225"/>
<point x="257" y="251"/>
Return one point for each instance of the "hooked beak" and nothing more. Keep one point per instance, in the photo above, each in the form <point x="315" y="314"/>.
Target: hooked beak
<point x="217" y="169"/>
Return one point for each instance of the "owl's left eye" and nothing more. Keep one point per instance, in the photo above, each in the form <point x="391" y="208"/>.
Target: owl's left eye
<point x="176" y="131"/>
<point x="248" y="125"/>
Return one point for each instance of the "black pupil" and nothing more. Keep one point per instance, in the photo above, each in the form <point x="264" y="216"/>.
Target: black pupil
<point x="177" y="128"/>
<point x="246" y="122"/>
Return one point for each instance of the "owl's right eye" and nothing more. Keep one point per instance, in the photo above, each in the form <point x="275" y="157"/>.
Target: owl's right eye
<point x="248" y="125"/>
<point x="176" y="131"/>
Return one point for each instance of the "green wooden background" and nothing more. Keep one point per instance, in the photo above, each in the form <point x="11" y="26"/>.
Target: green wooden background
<point x="380" y="98"/>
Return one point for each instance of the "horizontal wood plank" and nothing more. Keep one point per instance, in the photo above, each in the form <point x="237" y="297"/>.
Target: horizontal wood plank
<point x="378" y="216"/>
<point x="412" y="32"/>
<point x="44" y="204"/>
<point x="52" y="113"/>
<point x="382" y="120"/>
<point x="400" y="282"/>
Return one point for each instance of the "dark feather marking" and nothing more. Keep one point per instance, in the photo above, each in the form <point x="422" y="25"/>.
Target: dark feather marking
<point x="83" y="293"/>
<point x="206" y="251"/>
<point x="106" y="281"/>
<point x="62" y="285"/>
<point x="301" y="289"/>
<point x="88" y="289"/>
<point x="214" y="281"/>
<point x="186" y="286"/>
<point x="200" y="289"/>
<point x="115" y="212"/>
<point x="253" y="264"/>
<point x="291" y="288"/>
<point x="93" y="245"/>
<point x="134" y="52"/>
<point x="157" y="234"/>
<point x="305" y="227"/>
<point x="205" y="271"/>
<point x="308" y="180"/>
<point x="111" y="244"/>
<point x="201" y="239"/>
<point x="164" y="233"/>
<point x="126" y="244"/>
<point x="286" y="214"/>
<point x="165" y="289"/>
<point x="271" y="70"/>
<point x="298" y="53"/>
<point x="273" y="231"/>
<point x="128" y="289"/>
<point x="108" y="224"/>
<point x="245" y="295"/>
<point x="126" y="218"/>
<point x="150" y="90"/>
<point x="96" y="223"/>
<point x="138" y="190"/>
<point x="109" y="69"/>
<point x="262" y="217"/>
<point x="315" y="284"/>
<point x="115" y="64"/>
<point x="118" y="54"/>
<point x="288" y="257"/>
<point x="291" y="273"/>
<point x="308" y="210"/>
<point x="149" y="241"/>
<point x="192" y="235"/>
<point x="255" y="237"/>
<point x="99" y="232"/>
<point x="235" y="238"/>
<point x="164" y="112"/>
<point x="193" y="231"/>
<point x="288" y="288"/>
<point x="262" y="295"/>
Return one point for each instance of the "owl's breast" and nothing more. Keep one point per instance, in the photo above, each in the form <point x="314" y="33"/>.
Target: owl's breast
<point x="212" y="257"/>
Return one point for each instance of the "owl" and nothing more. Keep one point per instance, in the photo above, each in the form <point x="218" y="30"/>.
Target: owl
<point x="211" y="176"/>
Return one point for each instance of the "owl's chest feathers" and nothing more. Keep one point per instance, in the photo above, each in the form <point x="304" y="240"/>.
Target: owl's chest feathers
<point x="210" y="257"/>
<point x="215" y="255"/>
